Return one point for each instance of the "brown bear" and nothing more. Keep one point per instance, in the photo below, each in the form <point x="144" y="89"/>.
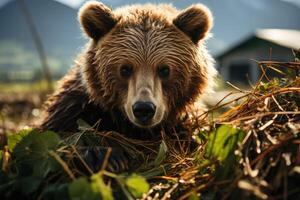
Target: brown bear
<point x="143" y="65"/>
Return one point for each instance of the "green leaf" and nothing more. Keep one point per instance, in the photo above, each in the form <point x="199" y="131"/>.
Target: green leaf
<point x="221" y="146"/>
<point x="223" y="141"/>
<point x="137" y="185"/>
<point x="14" y="139"/>
<point x="31" y="160"/>
<point x="34" y="148"/>
<point x="99" y="187"/>
<point x="162" y="154"/>
<point x="82" y="125"/>
<point x="156" y="171"/>
<point x="36" y="142"/>
<point x="80" y="189"/>
<point x="73" y="139"/>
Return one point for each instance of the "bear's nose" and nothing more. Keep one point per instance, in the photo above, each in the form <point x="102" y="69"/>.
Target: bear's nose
<point x="144" y="111"/>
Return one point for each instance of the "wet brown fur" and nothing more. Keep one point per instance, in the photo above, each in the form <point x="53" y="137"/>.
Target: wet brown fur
<point x="142" y="35"/>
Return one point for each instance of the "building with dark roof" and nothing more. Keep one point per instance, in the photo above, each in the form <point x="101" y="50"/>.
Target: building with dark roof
<point x="237" y="64"/>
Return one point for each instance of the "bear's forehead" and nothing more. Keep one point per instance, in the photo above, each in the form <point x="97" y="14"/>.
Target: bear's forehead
<point x="146" y="34"/>
<point x="153" y="47"/>
<point x="146" y="16"/>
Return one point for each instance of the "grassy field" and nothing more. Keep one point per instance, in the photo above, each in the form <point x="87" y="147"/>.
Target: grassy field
<point x="37" y="87"/>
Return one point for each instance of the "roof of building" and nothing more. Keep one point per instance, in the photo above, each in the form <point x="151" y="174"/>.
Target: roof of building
<point x="283" y="37"/>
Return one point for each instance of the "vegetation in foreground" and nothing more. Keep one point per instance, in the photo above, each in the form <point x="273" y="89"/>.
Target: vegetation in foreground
<point x="252" y="151"/>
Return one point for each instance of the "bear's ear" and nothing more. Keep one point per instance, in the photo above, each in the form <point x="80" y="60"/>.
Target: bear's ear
<point x="196" y="21"/>
<point x="96" y="19"/>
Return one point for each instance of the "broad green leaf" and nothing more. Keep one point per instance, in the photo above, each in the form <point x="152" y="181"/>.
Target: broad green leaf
<point x="221" y="146"/>
<point x="80" y="189"/>
<point x="34" y="148"/>
<point x="162" y="154"/>
<point x="15" y="138"/>
<point x="36" y="142"/>
<point x="223" y="141"/>
<point x="137" y="185"/>
<point x="99" y="187"/>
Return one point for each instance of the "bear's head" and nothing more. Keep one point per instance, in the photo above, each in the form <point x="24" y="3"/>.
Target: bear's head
<point x="149" y="61"/>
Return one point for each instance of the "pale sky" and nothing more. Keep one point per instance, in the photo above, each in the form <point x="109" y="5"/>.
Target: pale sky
<point x="72" y="3"/>
<point x="77" y="3"/>
<point x="294" y="1"/>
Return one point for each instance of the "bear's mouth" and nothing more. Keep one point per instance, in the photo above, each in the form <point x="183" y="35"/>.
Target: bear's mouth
<point x="144" y="125"/>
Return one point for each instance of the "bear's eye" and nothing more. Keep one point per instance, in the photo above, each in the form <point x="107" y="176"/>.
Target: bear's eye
<point x="126" y="71"/>
<point x="163" y="71"/>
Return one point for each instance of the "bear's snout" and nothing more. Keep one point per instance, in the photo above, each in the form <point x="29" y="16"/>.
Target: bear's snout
<point x="144" y="111"/>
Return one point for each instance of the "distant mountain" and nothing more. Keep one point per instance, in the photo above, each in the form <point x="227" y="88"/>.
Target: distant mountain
<point x="57" y="25"/>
